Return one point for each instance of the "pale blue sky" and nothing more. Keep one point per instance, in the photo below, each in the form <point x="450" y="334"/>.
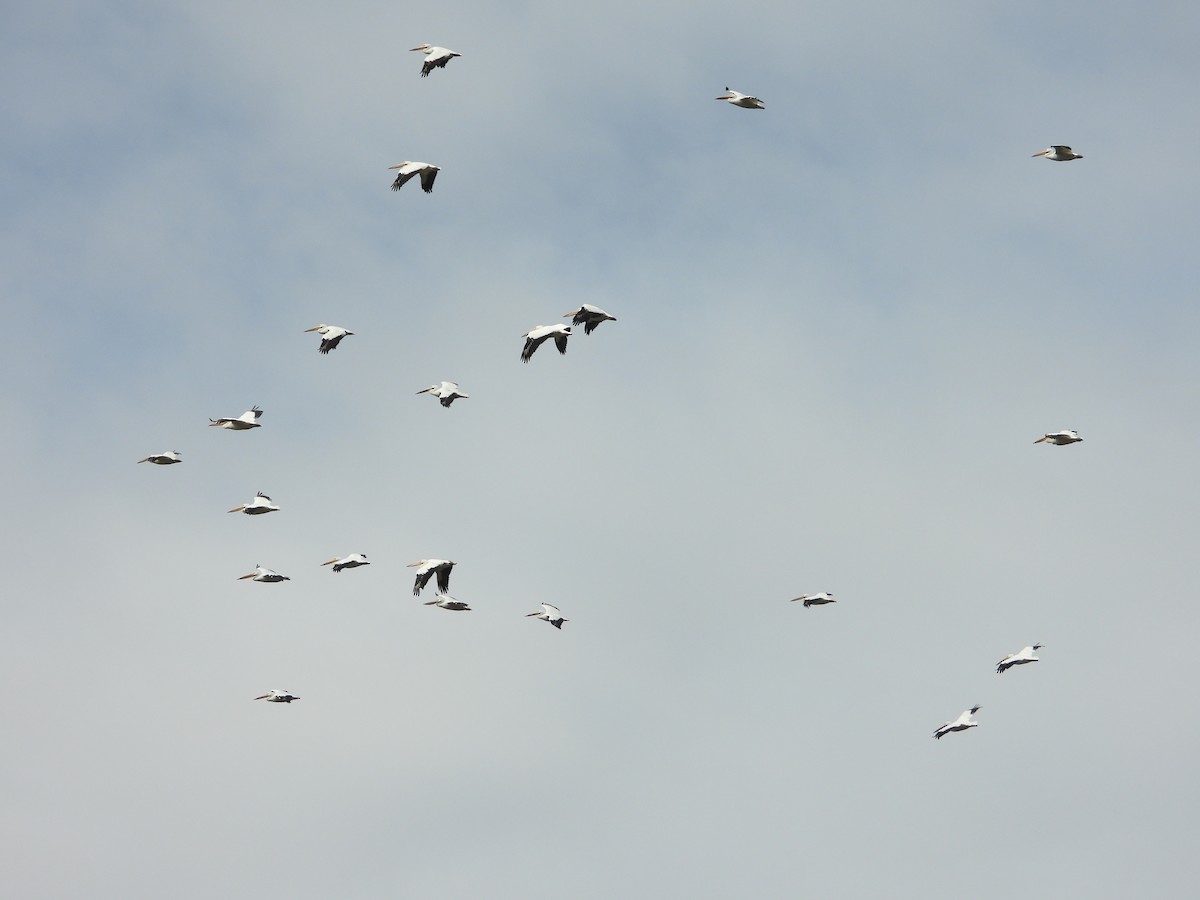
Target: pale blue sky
<point x="842" y="322"/>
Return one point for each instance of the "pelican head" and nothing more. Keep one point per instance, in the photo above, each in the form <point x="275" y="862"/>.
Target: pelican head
<point x="238" y="508"/>
<point x="422" y="48"/>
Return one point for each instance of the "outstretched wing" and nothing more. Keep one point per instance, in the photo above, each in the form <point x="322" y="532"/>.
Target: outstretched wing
<point x="401" y="178"/>
<point x="531" y="344"/>
<point x="422" y="580"/>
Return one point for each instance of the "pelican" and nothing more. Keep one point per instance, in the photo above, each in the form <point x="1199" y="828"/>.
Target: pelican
<point x="446" y="392"/>
<point x="550" y="614"/>
<point x="167" y="458"/>
<point x="331" y="336"/>
<point x="589" y="317"/>
<point x="265" y="575"/>
<point x="445" y="601"/>
<point x="409" y="169"/>
<point x="816" y="599"/>
<point x="277" y="696"/>
<point x="962" y="723"/>
<point x="353" y="561"/>
<point x="745" y="101"/>
<point x="535" y="337"/>
<point x="1059" y="153"/>
<point x="256" y="507"/>
<point x="246" y="420"/>
<point x="427" y="568"/>
<point x="435" y="58"/>
<point x="1027" y="655"/>
<point x="1060" y="438"/>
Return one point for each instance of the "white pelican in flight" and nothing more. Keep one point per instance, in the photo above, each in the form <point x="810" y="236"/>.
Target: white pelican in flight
<point x="353" y="561"/>
<point x="411" y="169"/>
<point x="815" y="599"/>
<point x="745" y="101"/>
<point x="542" y="333"/>
<point x="1060" y="438"/>
<point x="446" y="392"/>
<point x="589" y="317"/>
<point x="167" y="458"/>
<point x="435" y="58"/>
<point x="962" y="723"/>
<point x="277" y="696"/>
<point x="265" y="575"/>
<point x="331" y="336"/>
<point x="248" y="419"/>
<point x="1059" y="153"/>
<point x="427" y="568"/>
<point x="256" y="507"/>
<point x="1027" y="655"/>
<point x="445" y="601"/>
<point x="550" y="614"/>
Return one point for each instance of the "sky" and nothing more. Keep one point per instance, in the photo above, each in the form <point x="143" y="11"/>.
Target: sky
<point x="842" y="322"/>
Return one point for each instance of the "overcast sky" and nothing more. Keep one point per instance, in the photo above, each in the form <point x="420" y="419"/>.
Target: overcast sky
<point x="842" y="323"/>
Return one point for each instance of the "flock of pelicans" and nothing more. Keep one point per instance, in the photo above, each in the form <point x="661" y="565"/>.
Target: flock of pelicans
<point x="446" y="392"/>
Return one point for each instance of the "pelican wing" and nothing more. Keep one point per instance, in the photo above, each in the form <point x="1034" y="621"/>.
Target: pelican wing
<point x="401" y="178"/>
<point x="436" y="59"/>
<point x="330" y="343"/>
<point x="430" y="173"/>
<point x="531" y="344"/>
<point x="443" y="578"/>
<point x="423" y="577"/>
<point x="560" y="341"/>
